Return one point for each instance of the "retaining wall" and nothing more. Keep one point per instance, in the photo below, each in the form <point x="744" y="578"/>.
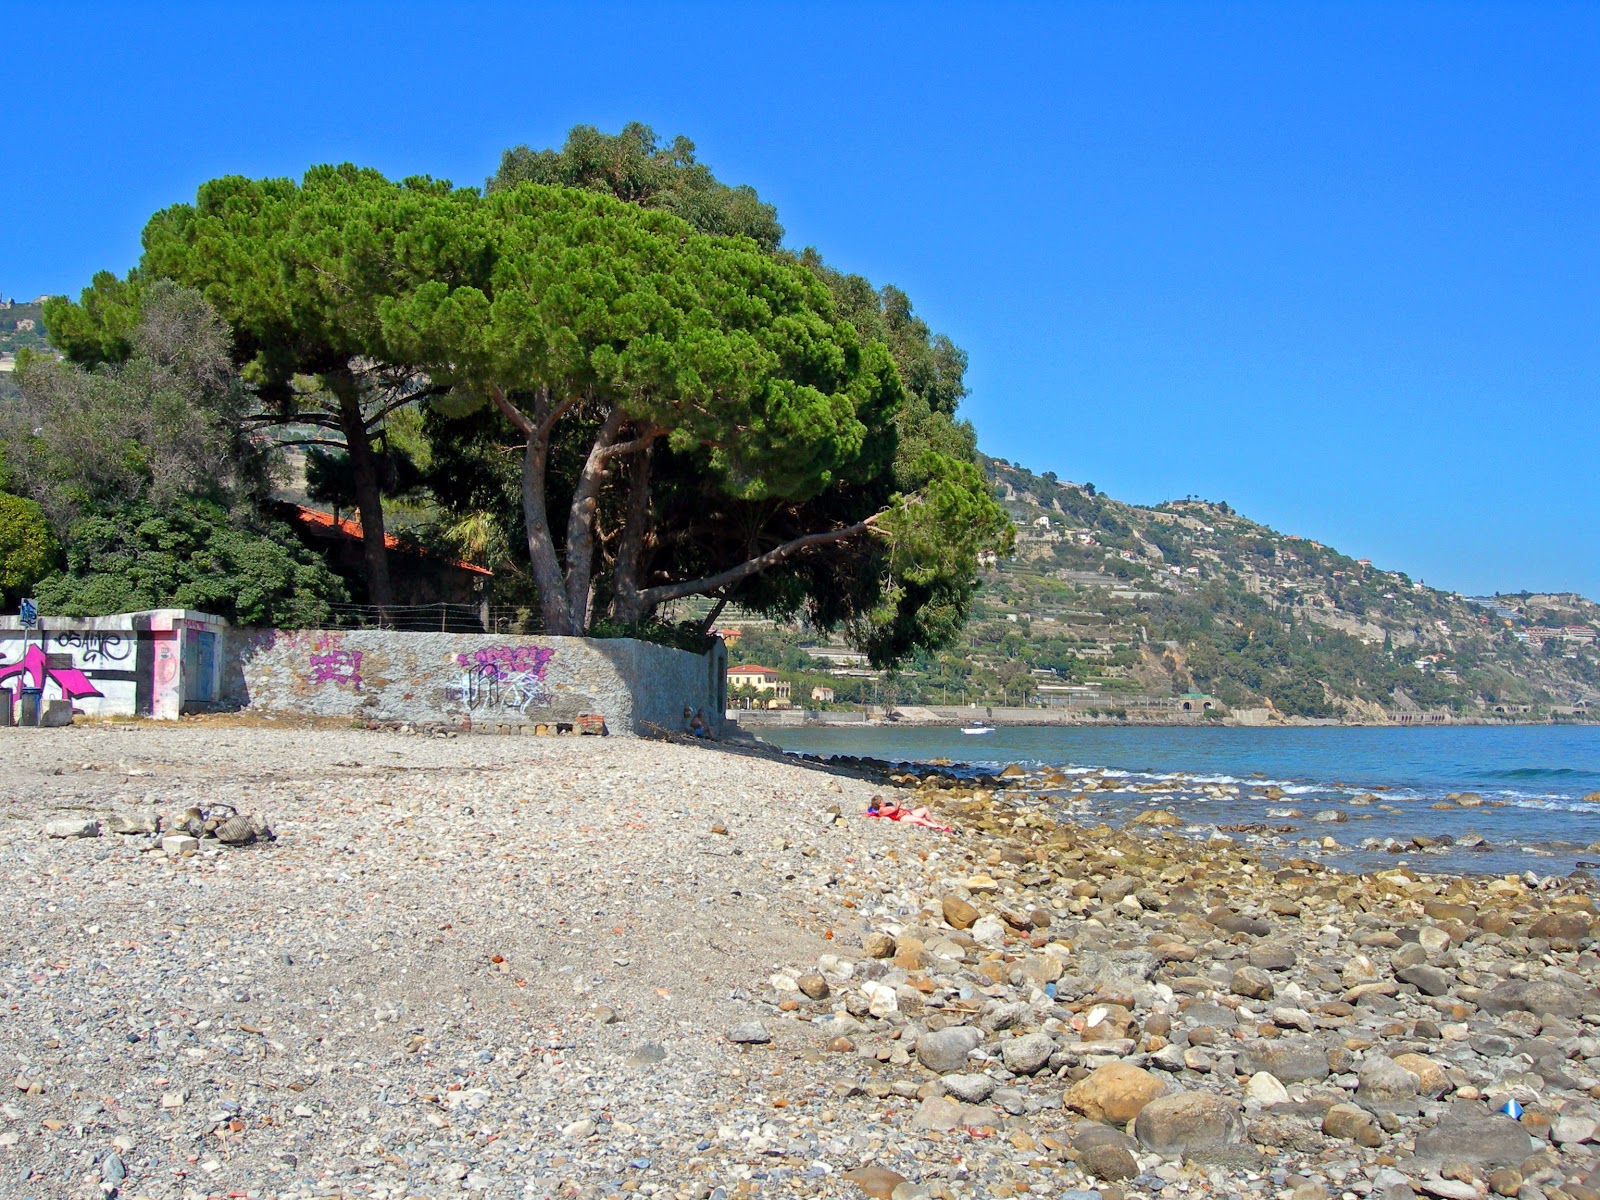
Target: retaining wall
<point x="477" y="680"/>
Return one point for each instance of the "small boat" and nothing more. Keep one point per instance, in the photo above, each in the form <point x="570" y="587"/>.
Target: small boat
<point x="977" y="728"/>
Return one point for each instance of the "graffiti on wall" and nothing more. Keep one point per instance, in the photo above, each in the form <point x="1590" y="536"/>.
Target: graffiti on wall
<point x="93" y="646"/>
<point x="328" y="662"/>
<point x="34" y="670"/>
<point x="502" y="677"/>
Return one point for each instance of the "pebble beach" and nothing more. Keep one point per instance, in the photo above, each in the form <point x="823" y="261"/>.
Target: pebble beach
<point x="585" y="967"/>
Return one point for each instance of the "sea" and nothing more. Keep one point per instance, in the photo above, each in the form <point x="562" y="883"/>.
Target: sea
<point x="1371" y="790"/>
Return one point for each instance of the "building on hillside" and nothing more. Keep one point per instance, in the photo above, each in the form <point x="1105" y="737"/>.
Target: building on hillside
<point x="762" y="681"/>
<point x="730" y="636"/>
<point x="822" y="695"/>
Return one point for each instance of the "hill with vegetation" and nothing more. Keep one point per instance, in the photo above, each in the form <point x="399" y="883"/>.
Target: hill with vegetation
<point x="1191" y="608"/>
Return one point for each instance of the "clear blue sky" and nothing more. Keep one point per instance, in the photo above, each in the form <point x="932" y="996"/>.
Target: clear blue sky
<point x="1337" y="264"/>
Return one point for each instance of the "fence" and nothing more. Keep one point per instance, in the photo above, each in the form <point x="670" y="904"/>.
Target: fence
<point x="436" y="618"/>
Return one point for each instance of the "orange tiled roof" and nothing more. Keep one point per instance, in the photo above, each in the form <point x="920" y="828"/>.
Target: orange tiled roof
<point x="352" y="529"/>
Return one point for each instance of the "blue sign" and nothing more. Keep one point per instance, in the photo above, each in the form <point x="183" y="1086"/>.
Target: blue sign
<point x="29" y="614"/>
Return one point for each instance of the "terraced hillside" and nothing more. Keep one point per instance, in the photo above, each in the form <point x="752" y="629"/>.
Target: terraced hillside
<point x="1190" y="608"/>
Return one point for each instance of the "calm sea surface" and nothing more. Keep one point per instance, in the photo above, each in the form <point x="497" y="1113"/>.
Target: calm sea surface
<point x="1532" y="781"/>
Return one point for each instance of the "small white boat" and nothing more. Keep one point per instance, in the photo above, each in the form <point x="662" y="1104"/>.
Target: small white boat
<point x="977" y="728"/>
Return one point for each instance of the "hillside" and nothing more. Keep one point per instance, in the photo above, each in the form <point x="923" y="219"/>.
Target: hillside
<point x="1115" y="609"/>
<point x="21" y="324"/>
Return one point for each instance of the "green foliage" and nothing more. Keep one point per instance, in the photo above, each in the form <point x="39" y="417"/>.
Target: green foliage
<point x="165" y="421"/>
<point x="28" y="549"/>
<point x="330" y="478"/>
<point x="637" y="167"/>
<point x="188" y="553"/>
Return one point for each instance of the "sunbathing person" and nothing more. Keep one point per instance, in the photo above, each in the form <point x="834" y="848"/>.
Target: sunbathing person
<point x="879" y="807"/>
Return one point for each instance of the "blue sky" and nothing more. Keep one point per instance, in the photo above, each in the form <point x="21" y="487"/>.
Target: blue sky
<point x="1337" y="264"/>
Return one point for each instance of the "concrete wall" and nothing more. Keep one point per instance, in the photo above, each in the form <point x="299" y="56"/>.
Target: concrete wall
<point x="472" y="680"/>
<point x="153" y="664"/>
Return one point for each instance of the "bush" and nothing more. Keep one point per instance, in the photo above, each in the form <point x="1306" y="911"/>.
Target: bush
<point x="27" y="547"/>
<point x="190" y="554"/>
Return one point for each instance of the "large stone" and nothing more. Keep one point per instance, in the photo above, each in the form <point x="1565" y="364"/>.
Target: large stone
<point x="72" y="827"/>
<point x="1384" y="1083"/>
<point x="1353" y="1124"/>
<point x="1289" y="1059"/>
<point x="1273" y="956"/>
<point x="989" y="930"/>
<point x="1107" y="1161"/>
<point x="1264" y="1088"/>
<point x="958" y="913"/>
<point x="1430" y="1076"/>
<point x="751" y="1033"/>
<point x="1571" y="927"/>
<point x="1486" y="1139"/>
<point x="879" y="945"/>
<point x="941" y="1113"/>
<point x="1115" y="1093"/>
<point x="1538" y="996"/>
<point x="969" y="1089"/>
<point x="1430" y="981"/>
<point x="945" y="1050"/>
<point x="138" y="823"/>
<point x="1025" y="1055"/>
<point x="1251" y="982"/>
<point x="878" y="1183"/>
<point x="1189" y="1123"/>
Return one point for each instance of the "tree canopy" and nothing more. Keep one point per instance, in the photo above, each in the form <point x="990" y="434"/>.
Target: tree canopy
<point x="640" y="168"/>
<point x="696" y="410"/>
<point x="298" y="271"/>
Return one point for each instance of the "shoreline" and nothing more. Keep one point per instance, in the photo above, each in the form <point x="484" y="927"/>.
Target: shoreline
<point x="1030" y="718"/>
<point x="564" y="968"/>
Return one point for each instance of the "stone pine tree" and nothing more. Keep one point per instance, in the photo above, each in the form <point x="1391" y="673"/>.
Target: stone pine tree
<point x="627" y="328"/>
<point x="298" y="270"/>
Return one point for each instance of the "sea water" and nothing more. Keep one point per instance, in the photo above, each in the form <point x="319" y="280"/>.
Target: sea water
<point x="1532" y="781"/>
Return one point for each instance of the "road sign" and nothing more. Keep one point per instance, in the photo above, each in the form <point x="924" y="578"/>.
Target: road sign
<point x="29" y="614"/>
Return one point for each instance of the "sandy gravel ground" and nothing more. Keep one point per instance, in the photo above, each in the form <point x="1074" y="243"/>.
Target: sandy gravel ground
<point x="412" y="985"/>
<point x="539" y="968"/>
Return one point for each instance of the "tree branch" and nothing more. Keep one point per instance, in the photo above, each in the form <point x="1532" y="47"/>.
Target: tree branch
<point x="548" y="424"/>
<point x="673" y="591"/>
<point x="639" y="443"/>
<point x="511" y="412"/>
<point x="315" y="442"/>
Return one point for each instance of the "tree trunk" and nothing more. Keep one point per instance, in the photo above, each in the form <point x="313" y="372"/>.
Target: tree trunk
<point x="558" y="619"/>
<point x="581" y="518"/>
<point x="626" y="604"/>
<point x="369" y="494"/>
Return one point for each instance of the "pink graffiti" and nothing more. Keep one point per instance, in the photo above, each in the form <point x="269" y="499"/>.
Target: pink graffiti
<point x="342" y="668"/>
<point x="509" y="662"/>
<point x="74" y="684"/>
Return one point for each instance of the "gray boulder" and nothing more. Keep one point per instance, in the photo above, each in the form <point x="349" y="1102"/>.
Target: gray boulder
<point x="1289" y="1059"/>
<point x="1025" y="1055"/>
<point x="1538" y="996"/>
<point x="945" y="1050"/>
<point x="1189" y="1123"/>
<point x="1487" y="1139"/>
<point x="1384" y="1083"/>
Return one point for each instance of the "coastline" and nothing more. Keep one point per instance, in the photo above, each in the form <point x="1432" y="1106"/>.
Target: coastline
<point x="585" y="967"/>
<point x="919" y="718"/>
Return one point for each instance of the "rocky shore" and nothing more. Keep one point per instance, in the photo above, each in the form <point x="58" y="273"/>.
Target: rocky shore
<point x="514" y="967"/>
